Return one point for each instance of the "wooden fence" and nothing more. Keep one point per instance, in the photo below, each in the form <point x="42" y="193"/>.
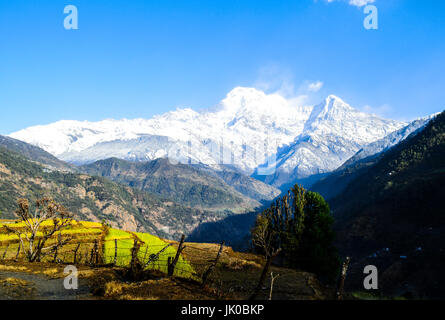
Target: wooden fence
<point x="188" y="260"/>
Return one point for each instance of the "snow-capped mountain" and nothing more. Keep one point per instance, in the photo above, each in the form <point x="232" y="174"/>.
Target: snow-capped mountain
<point x="246" y="130"/>
<point x="331" y="135"/>
<point x="394" y="138"/>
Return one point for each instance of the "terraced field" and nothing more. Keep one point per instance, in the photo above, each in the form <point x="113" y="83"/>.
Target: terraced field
<point x="115" y="246"/>
<point x="149" y="246"/>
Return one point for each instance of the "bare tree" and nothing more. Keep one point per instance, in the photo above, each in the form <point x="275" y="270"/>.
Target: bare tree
<point x="45" y="210"/>
<point x="266" y="238"/>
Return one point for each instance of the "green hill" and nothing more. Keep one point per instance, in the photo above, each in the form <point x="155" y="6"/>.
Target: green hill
<point x="95" y="198"/>
<point x="36" y="154"/>
<point x="182" y="183"/>
<point x="391" y="213"/>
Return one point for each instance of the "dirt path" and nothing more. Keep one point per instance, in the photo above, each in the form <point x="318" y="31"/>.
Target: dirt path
<point x="28" y="286"/>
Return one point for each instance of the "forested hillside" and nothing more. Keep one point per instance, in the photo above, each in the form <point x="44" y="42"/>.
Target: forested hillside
<point x="95" y="198"/>
<point x="35" y="154"/>
<point x="182" y="183"/>
<point x="391" y="213"/>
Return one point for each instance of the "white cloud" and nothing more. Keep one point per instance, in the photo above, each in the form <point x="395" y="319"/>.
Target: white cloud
<point x="299" y="100"/>
<point x="357" y="3"/>
<point x="360" y="3"/>
<point x="276" y="79"/>
<point x="381" y="111"/>
<point x="315" y="86"/>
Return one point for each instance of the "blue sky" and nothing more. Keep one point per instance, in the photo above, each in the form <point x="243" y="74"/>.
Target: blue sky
<point x="137" y="58"/>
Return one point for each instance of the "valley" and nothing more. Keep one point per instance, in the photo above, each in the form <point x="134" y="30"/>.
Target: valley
<point x="381" y="178"/>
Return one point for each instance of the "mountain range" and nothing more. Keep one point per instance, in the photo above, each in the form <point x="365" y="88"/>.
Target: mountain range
<point x="207" y="174"/>
<point x="251" y="132"/>
<point x="158" y="196"/>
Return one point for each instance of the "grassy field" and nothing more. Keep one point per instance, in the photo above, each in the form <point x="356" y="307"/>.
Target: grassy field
<point x="149" y="246"/>
<point x="86" y="233"/>
<point x="234" y="277"/>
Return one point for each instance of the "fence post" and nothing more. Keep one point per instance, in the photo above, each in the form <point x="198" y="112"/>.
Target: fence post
<point x="212" y="266"/>
<point x="6" y="250"/>
<point x="134" y="254"/>
<point x="92" y="256"/>
<point x="75" y="254"/>
<point x="115" y="252"/>
<point x="96" y="253"/>
<point x="272" y="280"/>
<point x="341" y="280"/>
<point x="172" y="264"/>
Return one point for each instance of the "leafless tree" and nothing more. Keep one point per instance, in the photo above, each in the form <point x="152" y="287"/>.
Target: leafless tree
<point x="266" y="239"/>
<point x="32" y="243"/>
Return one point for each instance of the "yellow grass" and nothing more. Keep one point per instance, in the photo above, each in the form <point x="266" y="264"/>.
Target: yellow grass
<point x="87" y="232"/>
<point x="149" y="246"/>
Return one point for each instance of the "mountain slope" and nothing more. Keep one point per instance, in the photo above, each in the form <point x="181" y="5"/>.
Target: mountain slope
<point x="95" y="198"/>
<point x="36" y="154"/>
<point x="389" y="141"/>
<point x="244" y="131"/>
<point x="248" y="186"/>
<point x="335" y="182"/>
<point x="391" y="214"/>
<point x="333" y="133"/>
<point x="182" y="183"/>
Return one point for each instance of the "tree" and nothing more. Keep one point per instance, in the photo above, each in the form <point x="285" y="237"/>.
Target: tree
<point x="315" y="251"/>
<point x="33" y="237"/>
<point x="265" y="238"/>
<point x="301" y="223"/>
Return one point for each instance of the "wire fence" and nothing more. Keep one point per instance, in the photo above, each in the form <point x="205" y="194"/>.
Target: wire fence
<point x="174" y="259"/>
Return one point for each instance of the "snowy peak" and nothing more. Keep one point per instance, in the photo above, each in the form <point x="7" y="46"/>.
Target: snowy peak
<point x="241" y="97"/>
<point x="243" y="101"/>
<point x="244" y="132"/>
<point x="333" y="133"/>
<point x="333" y="103"/>
<point x="335" y="117"/>
<point x="392" y="139"/>
<point x="332" y="108"/>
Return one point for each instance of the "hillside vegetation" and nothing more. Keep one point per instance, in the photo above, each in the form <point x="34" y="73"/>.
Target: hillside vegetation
<point x="391" y="213"/>
<point x="182" y="183"/>
<point x="35" y="154"/>
<point x="233" y="277"/>
<point x="95" y="198"/>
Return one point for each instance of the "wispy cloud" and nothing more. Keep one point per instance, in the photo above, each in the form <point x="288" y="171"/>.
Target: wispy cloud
<point x="381" y="111"/>
<point x="275" y="79"/>
<point x="315" y="86"/>
<point x="357" y="3"/>
<point x="360" y="3"/>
